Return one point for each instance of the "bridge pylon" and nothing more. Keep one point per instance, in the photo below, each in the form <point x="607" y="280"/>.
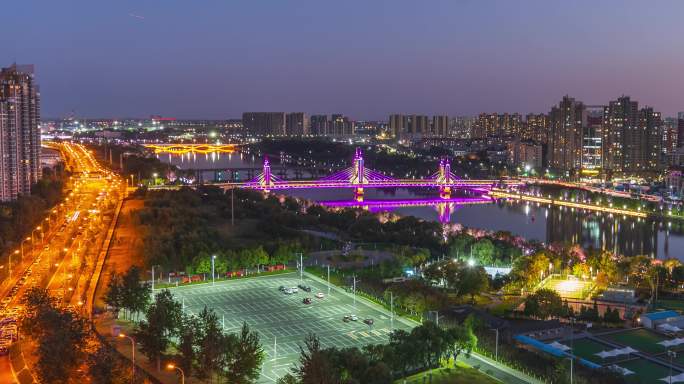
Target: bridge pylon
<point x="358" y="175"/>
<point x="444" y="178"/>
<point x="266" y="179"/>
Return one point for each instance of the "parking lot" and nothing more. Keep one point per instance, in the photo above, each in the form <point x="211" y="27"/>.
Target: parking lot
<point x="283" y="321"/>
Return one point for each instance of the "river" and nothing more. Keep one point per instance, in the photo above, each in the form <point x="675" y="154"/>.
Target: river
<point x="624" y="235"/>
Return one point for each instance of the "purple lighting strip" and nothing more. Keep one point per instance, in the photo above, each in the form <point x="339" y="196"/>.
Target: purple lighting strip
<point x="405" y="202"/>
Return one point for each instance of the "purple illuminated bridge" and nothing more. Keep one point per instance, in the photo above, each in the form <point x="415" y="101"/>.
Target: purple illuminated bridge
<point x="359" y="177"/>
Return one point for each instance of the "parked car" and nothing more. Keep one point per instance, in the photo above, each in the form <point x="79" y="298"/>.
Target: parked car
<point x="368" y="321"/>
<point x="306" y="300"/>
<point x="320" y="295"/>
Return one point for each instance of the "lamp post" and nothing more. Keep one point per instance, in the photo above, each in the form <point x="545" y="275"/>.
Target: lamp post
<point x="496" y="344"/>
<point x="22" y="247"/>
<point x="671" y="354"/>
<point x="172" y="367"/>
<point x="213" y="257"/>
<point x="122" y="335"/>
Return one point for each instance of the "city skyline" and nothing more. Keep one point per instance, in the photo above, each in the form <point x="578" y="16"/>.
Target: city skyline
<point x="364" y="60"/>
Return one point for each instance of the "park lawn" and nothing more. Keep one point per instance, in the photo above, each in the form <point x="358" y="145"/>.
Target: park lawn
<point x="671" y="304"/>
<point x="639" y="339"/>
<point x="646" y="371"/>
<point x="461" y="374"/>
<point x="587" y="349"/>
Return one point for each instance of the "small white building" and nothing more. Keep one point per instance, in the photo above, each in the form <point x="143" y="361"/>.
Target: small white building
<point x="654" y="319"/>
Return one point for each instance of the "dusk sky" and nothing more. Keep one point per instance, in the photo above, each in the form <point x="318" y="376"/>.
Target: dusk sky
<point x="366" y="58"/>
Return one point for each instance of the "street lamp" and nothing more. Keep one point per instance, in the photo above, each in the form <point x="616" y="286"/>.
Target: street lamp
<point x="671" y="354"/>
<point x="122" y="335"/>
<point x="213" y="257"/>
<point x="22" y="247"/>
<point x="172" y="367"/>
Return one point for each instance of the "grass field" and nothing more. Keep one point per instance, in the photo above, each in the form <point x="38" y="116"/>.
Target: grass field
<point x="639" y="339"/>
<point x="569" y="289"/>
<point x="283" y="321"/>
<point x="587" y="349"/>
<point x="461" y="374"/>
<point x="646" y="371"/>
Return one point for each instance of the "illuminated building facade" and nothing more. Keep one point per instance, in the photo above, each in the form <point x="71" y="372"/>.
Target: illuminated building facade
<point x="19" y="132"/>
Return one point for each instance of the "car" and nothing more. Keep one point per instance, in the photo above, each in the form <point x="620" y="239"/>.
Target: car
<point x="368" y="321"/>
<point x="306" y="300"/>
<point x="294" y="289"/>
<point x="320" y="295"/>
<point x="304" y="288"/>
<point x="281" y="288"/>
<point x="346" y="318"/>
<point x="288" y="291"/>
<point x="353" y="317"/>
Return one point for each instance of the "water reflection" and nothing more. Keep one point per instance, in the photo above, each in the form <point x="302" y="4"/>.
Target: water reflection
<point x="624" y="235"/>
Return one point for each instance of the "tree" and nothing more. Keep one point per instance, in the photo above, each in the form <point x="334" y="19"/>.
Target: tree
<point x="104" y="368"/>
<point x="243" y="357"/>
<point x="473" y="280"/>
<point x="188" y="339"/>
<point x="543" y="304"/>
<point x="114" y="296"/>
<point x="212" y="344"/>
<point x="315" y="366"/>
<point x="259" y="257"/>
<point x="163" y="318"/>
<point x="483" y="252"/>
<point x="135" y="295"/>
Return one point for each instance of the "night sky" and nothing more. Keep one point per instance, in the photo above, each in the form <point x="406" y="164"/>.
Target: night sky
<point x="365" y="58"/>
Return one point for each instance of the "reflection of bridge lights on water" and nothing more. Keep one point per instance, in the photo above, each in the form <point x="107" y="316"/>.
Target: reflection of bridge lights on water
<point x="444" y="207"/>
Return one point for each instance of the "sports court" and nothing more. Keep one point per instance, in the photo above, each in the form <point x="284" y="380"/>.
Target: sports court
<point x="569" y="288"/>
<point x="283" y="321"/>
<point x="640" y="339"/>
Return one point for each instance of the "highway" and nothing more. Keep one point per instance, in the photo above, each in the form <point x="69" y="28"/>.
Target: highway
<point x="64" y="250"/>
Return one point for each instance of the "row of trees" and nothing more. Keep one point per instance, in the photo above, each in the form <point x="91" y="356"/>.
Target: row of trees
<point x="203" y="348"/>
<point x="255" y="257"/>
<point x="460" y="277"/>
<point x="19" y="217"/>
<point x="67" y="352"/>
<point x="60" y="336"/>
<point x="126" y="292"/>
<point x="424" y="347"/>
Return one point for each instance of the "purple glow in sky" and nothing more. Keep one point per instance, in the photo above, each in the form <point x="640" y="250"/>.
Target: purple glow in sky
<point x="364" y="58"/>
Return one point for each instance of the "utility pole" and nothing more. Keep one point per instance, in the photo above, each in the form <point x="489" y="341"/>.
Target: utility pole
<point x="232" y="206"/>
<point x="328" y="279"/>
<point x="213" y="257"/>
<point x="301" y="266"/>
<point x="153" y="278"/>
<point x="354" y="291"/>
<point x="391" y="310"/>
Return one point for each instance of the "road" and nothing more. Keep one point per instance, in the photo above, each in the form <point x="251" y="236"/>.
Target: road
<point x="62" y="253"/>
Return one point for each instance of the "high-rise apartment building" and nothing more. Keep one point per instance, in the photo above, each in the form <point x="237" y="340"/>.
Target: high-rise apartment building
<point x="680" y="129"/>
<point x="19" y="132"/>
<point x="632" y="138"/>
<point x="592" y="141"/>
<point x="319" y="125"/>
<point x="340" y="125"/>
<point x="264" y="123"/>
<point x="567" y="122"/>
<point x="296" y="124"/>
<point x="440" y="125"/>
<point x="536" y="127"/>
<point x="499" y="125"/>
<point x="398" y="124"/>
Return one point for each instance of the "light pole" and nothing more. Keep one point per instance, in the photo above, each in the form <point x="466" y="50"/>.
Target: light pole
<point x="328" y="279"/>
<point x="123" y="335"/>
<point x="173" y="366"/>
<point x="22" y="247"/>
<point x="391" y="311"/>
<point x="671" y="354"/>
<point x="301" y="266"/>
<point x="496" y="344"/>
<point x="213" y="257"/>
